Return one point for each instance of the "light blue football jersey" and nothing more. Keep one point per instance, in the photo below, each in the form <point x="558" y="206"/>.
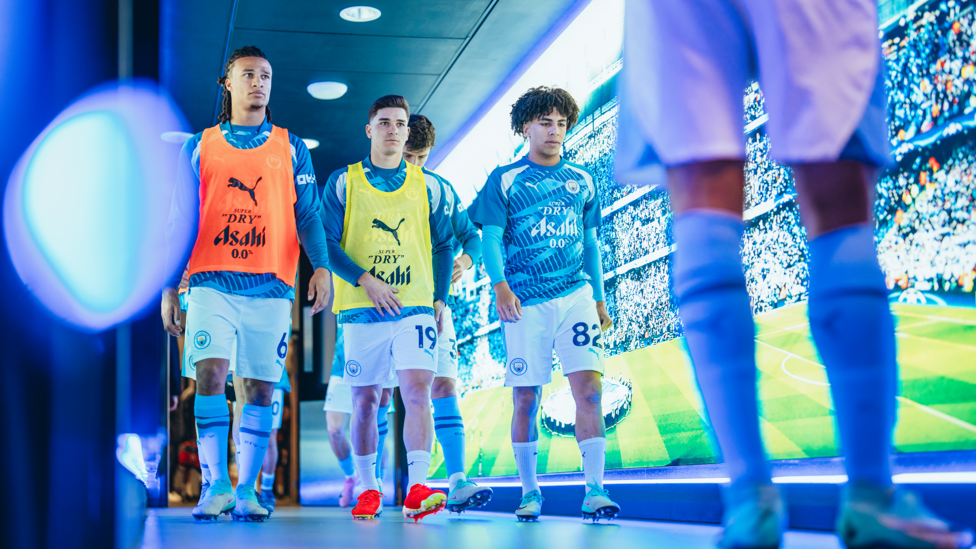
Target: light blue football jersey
<point x="544" y="211"/>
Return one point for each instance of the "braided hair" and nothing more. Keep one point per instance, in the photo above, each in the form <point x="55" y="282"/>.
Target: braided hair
<point x="225" y="101"/>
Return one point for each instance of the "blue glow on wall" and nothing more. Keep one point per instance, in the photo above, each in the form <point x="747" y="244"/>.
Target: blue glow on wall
<point x="86" y="207"/>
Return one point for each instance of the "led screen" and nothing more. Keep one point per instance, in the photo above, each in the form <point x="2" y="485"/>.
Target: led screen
<point x="926" y="237"/>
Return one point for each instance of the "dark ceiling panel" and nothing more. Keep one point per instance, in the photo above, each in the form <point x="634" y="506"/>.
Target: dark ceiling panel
<point x="511" y="32"/>
<point x="352" y="53"/>
<point x="428" y="19"/>
<point x="364" y="87"/>
<point x="192" y="39"/>
<point x="406" y="51"/>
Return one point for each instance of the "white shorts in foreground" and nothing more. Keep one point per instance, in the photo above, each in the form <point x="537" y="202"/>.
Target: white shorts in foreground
<point x="447" y="356"/>
<point x="687" y="65"/>
<point x="376" y="351"/>
<point x="568" y="324"/>
<point x="338" y="396"/>
<point x="259" y="325"/>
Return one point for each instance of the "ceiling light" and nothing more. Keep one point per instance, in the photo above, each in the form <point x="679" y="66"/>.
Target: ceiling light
<point x="327" y="90"/>
<point x="360" y="14"/>
<point x="176" y="137"/>
<point x="311" y="143"/>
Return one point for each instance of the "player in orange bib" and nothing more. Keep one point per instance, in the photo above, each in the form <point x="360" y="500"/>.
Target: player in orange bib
<point x="248" y="191"/>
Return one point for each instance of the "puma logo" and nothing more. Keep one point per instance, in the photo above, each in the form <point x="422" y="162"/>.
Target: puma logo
<point x="377" y="224"/>
<point x="237" y="184"/>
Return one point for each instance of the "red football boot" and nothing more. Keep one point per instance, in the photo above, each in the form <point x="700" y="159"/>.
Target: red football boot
<point x="422" y="501"/>
<point x="368" y="506"/>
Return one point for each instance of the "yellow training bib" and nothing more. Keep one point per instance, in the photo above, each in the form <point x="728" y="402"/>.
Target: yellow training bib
<point x="389" y="235"/>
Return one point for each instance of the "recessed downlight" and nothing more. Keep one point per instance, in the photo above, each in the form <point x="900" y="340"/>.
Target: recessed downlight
<point x="175" y="137"/>
<point x="311" y="143"/>
<point x="327" y="90"/>
<point x="360" y="14"/>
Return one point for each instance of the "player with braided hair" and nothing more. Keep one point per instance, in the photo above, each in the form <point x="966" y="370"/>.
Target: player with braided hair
<point x="545" y="213"/>
<point x="243" y="270"/>
<point x="225" y="98"/>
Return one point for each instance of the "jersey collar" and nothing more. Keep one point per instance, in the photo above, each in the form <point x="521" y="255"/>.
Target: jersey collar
<point x="264" y="127"/>
<point x="367" y="165"/>
<point x="561" y="164"/>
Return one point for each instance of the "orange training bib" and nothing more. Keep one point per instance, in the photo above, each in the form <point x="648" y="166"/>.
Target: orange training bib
<point x="247" y="208"/>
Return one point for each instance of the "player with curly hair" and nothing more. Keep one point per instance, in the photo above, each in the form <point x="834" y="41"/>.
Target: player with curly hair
<point x="544" y="212"/>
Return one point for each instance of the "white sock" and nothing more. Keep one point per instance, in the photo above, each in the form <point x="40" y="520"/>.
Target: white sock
<point x="365" y="465"/>
<point x="594" y="452"/>
<point x="267" y="481"/>
<point x="418" y="463"/>
<point x="455" y="479"/>
<point x="526" y="459"/>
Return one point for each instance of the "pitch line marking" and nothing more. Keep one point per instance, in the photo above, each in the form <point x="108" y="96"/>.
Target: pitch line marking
<point x="787" y="329"/>
<point x="917" y="324"/>
<point x="937" y="342"/>
<point x="782" y="366"/>
<point x="931" y="411"/>
<point x="947" y="319"/>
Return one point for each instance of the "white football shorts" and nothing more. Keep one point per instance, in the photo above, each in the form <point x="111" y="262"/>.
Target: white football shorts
<point x="260" y="326"/>
<point x="338" y="396"/>
<point x="568" y="324"/>
<point x="687" y="64"/>
<point x="447" y="354"/>
<point x="376" y="351"/>
<point x="277" y="407"/>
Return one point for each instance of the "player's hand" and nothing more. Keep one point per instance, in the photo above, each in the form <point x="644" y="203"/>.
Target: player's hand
<point x="461" y="264"/>
<point x="320" y="289"/>
<point x="439" y="315"/>
<point x="382" y="295"/>
<point x="508" y="304"/>
<point x="174" y="401"/>
<point x="605" y="321"/>
<point x="170" y="309"/>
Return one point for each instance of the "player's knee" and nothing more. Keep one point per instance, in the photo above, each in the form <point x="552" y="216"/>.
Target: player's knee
<point x="386" y="397"/>
<point x="336" y="432"/>
<point x="589" y="395"/>
<point x="415" y="397"/>
<point x="443" y="387"/>
<point x="526" y="400"/>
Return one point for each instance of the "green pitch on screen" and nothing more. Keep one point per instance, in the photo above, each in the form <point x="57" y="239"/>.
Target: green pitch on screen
<point x="667" y="424"/>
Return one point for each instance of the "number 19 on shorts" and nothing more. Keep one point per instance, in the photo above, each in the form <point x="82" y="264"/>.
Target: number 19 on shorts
<point x="427" y="332"/>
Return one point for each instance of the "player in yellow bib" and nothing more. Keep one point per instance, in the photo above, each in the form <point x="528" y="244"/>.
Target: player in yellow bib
<point x="390" y="244"/>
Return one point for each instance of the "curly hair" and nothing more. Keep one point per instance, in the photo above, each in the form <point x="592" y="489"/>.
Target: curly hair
<point x="539" y="102"/>
<point x="421" y="133"/>
<point x="225" y="102"/>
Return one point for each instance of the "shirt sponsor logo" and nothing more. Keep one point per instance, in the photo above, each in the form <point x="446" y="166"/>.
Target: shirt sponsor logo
<point x="518" y="366"/>
<point x="353" y="369"/>
<point x="305" y="179"/>
<point x="547" y="229"/>
<point x="201" y="340"/>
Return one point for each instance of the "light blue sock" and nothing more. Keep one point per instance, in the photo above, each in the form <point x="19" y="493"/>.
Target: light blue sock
<point x="855" y="336"/>
<point x="347" y="466"/>
<point x="213" y="424"/>
<point x="449" y="429"/>
<point x="382" y="427"/>
<point x="717" y="318"/>
<point x="256" y="424"/>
